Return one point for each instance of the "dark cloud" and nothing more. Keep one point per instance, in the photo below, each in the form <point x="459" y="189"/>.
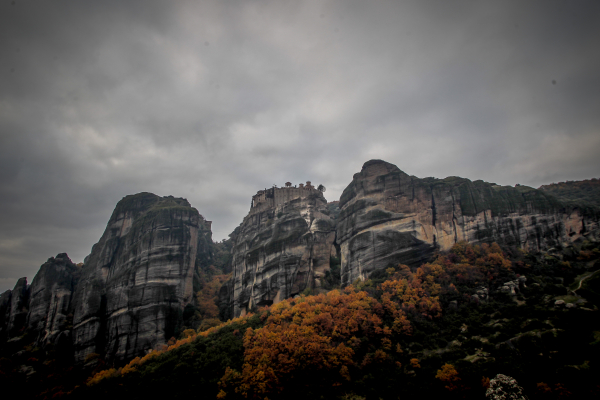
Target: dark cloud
<point x="214" y="100"/>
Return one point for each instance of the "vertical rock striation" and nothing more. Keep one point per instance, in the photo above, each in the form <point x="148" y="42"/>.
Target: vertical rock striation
<point x="131" y="293"/>
<point x="138" y="278"/>
<point x="389" y="217"/>
<point x="50" y="310"/>
<point x="282" y="247"/>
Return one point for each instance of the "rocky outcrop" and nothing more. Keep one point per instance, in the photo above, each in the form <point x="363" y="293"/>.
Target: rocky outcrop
<point x="138" y="278"/>
<point x="130" y="294"/>
<point x="388" y="217"/>
<point x="282" y="247"/>
<point x="50" y="310"/>
<point x="137" y="285"/>
<point x="13" y="310"/>
<point x="4" y="313"/>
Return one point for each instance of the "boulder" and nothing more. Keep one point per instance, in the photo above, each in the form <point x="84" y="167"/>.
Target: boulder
<point x="522" y="282"/>
<point x="482" y="293"/>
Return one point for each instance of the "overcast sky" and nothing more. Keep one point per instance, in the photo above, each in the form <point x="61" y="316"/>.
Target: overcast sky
<point x="214" y="100"/>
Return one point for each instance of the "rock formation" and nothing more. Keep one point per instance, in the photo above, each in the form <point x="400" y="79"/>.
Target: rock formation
<point x="51" y="291"/>
<point x="282" y="247"/>
<point x="388" y="217"/>
<point x="137" y="284"/>
<point x="13" y="310"/>
<point x="138" y="278"/>
<point x="131" y="293"/>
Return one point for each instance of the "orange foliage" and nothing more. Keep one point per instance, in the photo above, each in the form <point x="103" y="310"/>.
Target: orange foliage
<point x="316" y="334"/>
<point x="449" y="376"/>
<point x="107" y="373"/>
<point x="485" y="382"/>
<point x="415" y="293"/>
<point x="208" y="293"/>
<point x="473" y="264"/>
<point x="320" y="335"/>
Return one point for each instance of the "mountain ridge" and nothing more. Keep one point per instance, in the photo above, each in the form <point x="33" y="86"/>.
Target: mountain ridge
<point x="137" y="287"/>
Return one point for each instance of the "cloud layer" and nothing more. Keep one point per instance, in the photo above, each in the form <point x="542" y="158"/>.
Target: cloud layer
<point x="214" y="100"/>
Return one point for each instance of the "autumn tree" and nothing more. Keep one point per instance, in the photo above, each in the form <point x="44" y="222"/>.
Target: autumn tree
<point x="449" y="377"/>
<point x="315" y="337"/>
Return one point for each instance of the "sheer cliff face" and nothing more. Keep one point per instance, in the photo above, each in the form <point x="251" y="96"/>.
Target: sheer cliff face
<point x="388" y="217"/>
<point x="280" y="250"/>
<point x="13" y="310"/>
<point x="50" y="313"/>
<point x="138" y="278"/>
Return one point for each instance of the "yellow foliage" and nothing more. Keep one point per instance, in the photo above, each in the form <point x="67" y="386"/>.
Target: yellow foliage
<point x="107" y="373"/>
<point x="449" y="376"/>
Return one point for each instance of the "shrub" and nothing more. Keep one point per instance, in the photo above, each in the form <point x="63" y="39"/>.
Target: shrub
<point x="504" y="387"/>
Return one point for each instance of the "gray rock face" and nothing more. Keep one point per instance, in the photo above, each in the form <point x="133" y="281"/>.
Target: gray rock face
<point x="131" y="293"/>
<point x="388" y="217"/>
<point x="282" y="247"/>
<point x="51" y="291"/>
<point x="5" y="313"/>
<point x="138" y="278"/>
<point x="13" y="310"/>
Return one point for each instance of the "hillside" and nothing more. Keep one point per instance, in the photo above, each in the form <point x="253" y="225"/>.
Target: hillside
<point x="443" y="329"/>
<point x="582" y="192"/>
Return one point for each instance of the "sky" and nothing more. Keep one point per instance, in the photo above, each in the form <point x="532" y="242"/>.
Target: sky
<point x="214" y="100"/>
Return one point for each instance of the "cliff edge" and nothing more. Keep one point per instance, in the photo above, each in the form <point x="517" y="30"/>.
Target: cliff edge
<point x="389" y="217"/>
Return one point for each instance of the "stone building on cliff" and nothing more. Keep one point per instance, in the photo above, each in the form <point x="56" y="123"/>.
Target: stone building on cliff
<point x="275" y="196"/>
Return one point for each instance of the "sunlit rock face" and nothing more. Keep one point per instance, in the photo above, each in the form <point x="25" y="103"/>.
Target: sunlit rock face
<point x="388" y="217"/>
<point x="50" y="309"/>
<point x="282" y="247"/>
<point x="138" y="278"/>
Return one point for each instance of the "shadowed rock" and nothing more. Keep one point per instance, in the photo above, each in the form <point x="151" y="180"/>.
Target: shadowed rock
<point x="13" y="310"/>
<point x="138" y="278"/>
<point x="51" y="291"/>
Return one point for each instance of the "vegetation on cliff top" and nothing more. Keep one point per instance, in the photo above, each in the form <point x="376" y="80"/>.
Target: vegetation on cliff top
<point x="585" y="192"/>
